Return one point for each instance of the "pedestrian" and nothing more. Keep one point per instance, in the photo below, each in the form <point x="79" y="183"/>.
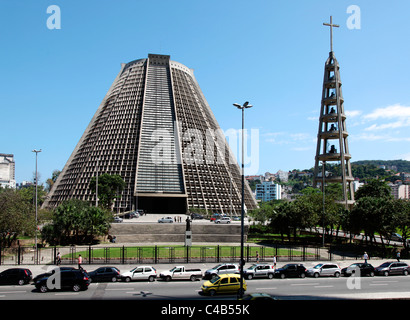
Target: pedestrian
<point x="274" y="262"/>
<point x="58" y="262"/>
<point x="365" y="257"/>
<point x="398" y="256"/>
<point x="257" y="256"/>
<point x="80" y="261"/>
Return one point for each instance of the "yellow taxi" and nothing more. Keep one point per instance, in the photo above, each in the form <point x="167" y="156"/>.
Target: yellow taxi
<point x="224" y="283"/>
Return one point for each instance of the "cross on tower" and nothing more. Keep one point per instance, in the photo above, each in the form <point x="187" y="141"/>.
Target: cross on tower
<point x="331" y="25"/>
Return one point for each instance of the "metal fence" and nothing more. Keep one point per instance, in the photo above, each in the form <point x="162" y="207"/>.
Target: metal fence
<point x="162" y="254"/>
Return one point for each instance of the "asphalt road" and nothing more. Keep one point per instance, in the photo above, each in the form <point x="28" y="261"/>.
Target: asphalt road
<point x="324" y="288"/>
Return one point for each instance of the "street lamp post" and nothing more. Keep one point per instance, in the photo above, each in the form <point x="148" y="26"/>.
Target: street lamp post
<point x="36" y="151"/>
<point x="242" y="261"/>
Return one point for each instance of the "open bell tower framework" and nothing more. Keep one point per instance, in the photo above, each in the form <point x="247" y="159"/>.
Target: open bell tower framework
<point x="332" y="142"/>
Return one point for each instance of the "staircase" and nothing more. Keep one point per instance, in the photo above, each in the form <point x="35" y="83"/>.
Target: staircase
<point x="175" y="232"/>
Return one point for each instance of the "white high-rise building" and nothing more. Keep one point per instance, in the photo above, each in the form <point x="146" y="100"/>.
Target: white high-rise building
<point x="268" y="190"/>
<point x="7" y="171"/>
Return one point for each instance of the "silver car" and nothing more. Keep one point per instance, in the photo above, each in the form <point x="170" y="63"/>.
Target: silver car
<point x="324" y="269"/>
<point x="166" y="220"/>
<point x="221" y="268"/>
<point x="223" y="220"/>
<point x="261" y="270"/>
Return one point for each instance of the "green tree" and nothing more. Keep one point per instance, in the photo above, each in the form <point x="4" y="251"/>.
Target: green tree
<point x="16" y="216"/>
<point x="401" y="219"/>
<point x="29" y="194"/>
<point x="109" y="187"/>
<point x="372" y="212"/>
<point x="75" y="221"/>
<point x="374" y="188"/>
<point x="50" y="181"/>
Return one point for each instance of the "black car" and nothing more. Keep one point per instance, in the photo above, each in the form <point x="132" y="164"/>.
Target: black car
<point x="75" y="280"/>
<point x="105" y="274"/>
<point x="366" y="269"/>
<point x="47" y="274"/>
<point x="291" y="270"/>
<point x="18" y="276"/>
<point x="196" y="216"/>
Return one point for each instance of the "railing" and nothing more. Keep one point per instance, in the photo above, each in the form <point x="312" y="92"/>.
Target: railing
<point x="159" y="254"/>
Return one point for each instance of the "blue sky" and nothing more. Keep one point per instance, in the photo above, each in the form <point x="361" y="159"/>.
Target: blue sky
<point x="270" y="53"/>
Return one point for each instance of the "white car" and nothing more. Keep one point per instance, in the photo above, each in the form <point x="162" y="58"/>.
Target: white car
<point x="140" y="273"/>
<point x="223" y="220"/>
<point x="166" y="220"/>
<point x="117" y="219"/>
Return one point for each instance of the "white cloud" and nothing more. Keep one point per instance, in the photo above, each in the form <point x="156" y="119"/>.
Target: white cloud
<point x="391" y="125"/>
<point x="398" y="113"/>
<point x="405" y="157"/>
<point x="288" y="138"/>
<point x="390" y="112"/>
<point x="300" y="136"/>
<point x="302" y="148"/>
<point x="368" y="137"/>
<point x="353" y="113"/>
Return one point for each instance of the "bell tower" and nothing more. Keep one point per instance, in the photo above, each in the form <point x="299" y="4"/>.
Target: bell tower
<point x="332" y="145"/>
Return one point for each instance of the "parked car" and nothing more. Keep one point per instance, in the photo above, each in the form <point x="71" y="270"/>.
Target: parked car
<point x="365" y="269"/>
<point x="75" y="280"/>
<point x="140" y="273"/>
<point x="131" y="215"/>
<point x="117" y="219"/>
<point x="223" y="220"/>
<point x="224" y="283"/>
<point x="47" y="274"/>
<point x="18" y="276"/>
<point x="181" y="273"/>
<point x="196" y="216"/>
<point x="392" y="268"/>
<point x="291" y="270"/>
<point x="324" y="269"/>
<point x="221" y="268"/>
<point x="166" y="220"/>
<point x="259" y="270"/>
<point x="215" y="216"/>
<point x="396" y="237"/>
<point x="104" y="274"/>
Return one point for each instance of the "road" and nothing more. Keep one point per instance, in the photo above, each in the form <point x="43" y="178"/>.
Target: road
<point x="377" y="287"/>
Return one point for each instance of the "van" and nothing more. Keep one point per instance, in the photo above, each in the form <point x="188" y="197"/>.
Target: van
<point x="224" y="283"/>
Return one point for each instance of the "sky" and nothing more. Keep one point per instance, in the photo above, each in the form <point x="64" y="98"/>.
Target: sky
<point x="270" y="53"/>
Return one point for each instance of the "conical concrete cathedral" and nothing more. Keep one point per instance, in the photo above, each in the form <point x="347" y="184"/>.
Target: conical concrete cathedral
<point x="155" y="129"/>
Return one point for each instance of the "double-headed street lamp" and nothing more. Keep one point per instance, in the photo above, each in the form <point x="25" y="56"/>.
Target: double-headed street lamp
<point x="36" y="151"/>
<point x="246" y="105"/>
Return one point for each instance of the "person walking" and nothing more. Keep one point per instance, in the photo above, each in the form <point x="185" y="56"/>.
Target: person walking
<point x="365" y="257"/>
<point x="80" y="261"/>
<point x="274" y="262"/>
<point x="398" y="256"/>
<point x="58" y="258"/>
<point x="257" y="257"/>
